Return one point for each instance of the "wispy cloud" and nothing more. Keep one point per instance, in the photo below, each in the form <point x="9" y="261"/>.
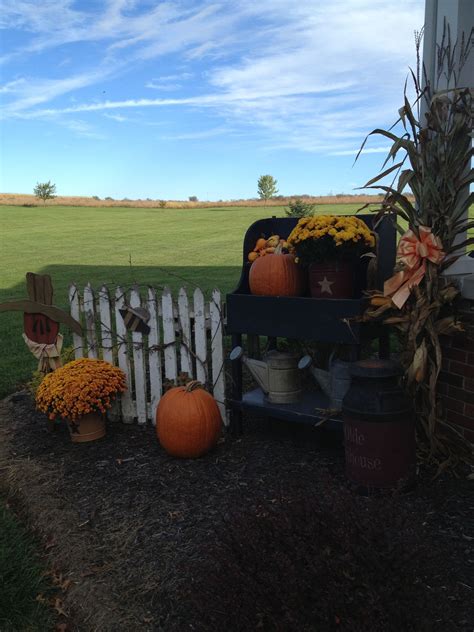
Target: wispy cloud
<point x="120" y="118"/>
<point x="169" y="83"/>
<point x="311" y="76"/>
<point x="366" y="150"/>
<point x="82" y="128"/>
<point x="208" y="133"/>
<point x="32" y="92"/>
<point x="13" y="86"/>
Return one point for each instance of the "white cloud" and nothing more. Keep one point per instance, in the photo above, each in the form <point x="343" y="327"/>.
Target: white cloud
<point x="168" y="83"/>
<point x="82" y="128"/>
<point x="208" y="133"/>
<point x="117" y="117"/>
<point x="33" y="92"/>
<point x="366" y="150"/>
<point x="13" y="86"/>
<point x="314" y="76"/>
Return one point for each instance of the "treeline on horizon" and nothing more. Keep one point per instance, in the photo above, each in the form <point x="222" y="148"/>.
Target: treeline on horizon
<point x="14" y="199"/>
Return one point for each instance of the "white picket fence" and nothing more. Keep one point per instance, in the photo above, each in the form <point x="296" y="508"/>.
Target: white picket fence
<point x="186" y="337"/>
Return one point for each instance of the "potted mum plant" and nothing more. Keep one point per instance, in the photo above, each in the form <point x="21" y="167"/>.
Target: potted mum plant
<point x="81" y="392"/>
<point x="331" y="247"/>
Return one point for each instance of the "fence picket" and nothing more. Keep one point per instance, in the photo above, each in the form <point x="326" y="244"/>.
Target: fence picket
<point x="169" y="337"/>
<point x="89" y="313"/>
<point x="217" y="352"/>
<point x="154" y="354"/>
<point x="139" y="363"/>
<point x="106" y="339"/>
<point x="128" y="409"/>
<point x="105" y="325"/>
<point x="200" y="336"/>
<point x="185" y="329"/>
<point x="75" y="303"/>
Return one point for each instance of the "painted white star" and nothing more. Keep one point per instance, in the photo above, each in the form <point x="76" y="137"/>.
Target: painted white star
<point x="325" y="286"/>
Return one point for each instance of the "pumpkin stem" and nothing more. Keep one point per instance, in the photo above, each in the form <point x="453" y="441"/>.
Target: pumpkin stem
<point x="193" y="385"/>
<point x="278" y="250"/>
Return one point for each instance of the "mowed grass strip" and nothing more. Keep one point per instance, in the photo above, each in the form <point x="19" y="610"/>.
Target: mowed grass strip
<point x="117" y="246"/>
<point x="21" y="580"/>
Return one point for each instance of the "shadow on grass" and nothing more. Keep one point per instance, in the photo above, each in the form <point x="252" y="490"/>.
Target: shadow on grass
<point x="17" y="363"/>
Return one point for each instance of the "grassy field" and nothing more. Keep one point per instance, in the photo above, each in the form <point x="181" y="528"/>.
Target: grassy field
<point x="21" y="579"/>
<point x="123" y="246"/>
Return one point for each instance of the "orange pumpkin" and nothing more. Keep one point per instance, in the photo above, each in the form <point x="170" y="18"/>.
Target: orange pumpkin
<point x="276" y="275"/>
<point x="252" y="256"/>
<point x="188" y="421"/>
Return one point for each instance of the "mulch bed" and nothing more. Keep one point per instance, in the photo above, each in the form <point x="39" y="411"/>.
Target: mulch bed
<point x="128" y="527"/>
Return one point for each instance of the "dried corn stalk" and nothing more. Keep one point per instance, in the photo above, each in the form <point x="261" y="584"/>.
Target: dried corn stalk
<point x="438" y="158"/>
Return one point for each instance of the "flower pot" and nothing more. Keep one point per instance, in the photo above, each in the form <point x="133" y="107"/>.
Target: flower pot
<point x="87" y="428"/>
<point x="332" y="279"/>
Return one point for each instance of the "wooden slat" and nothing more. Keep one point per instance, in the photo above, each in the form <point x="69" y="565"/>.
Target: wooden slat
<point x="89" y="314"/>
<point x="128" y="408"/>
<point x="138" y="363"/>
<point x="217" y="352"/>
<point x="200" y="336"/>
<point x="106" y="340"/>
<point x="154" y="354"/>
<point x="185" y="328"/>
<point x="105" y="325"/>
<point x="75" y="303"/>
<point x="169" y="339"/>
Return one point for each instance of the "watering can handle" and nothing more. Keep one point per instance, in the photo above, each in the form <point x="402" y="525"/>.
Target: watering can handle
<point x="332" y="357"/>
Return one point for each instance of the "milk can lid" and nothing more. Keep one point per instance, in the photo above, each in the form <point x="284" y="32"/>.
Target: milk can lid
<point x="375" y="368"/>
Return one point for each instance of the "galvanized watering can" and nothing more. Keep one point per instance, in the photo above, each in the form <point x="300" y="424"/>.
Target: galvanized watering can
<point x="335" y="382"/>
<point x="277" y="374"/>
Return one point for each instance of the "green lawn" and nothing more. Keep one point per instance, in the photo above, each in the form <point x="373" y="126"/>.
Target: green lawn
<point x="116" y="246"/>
<point x="171" y="247"/>
<point x="21" y="580"/>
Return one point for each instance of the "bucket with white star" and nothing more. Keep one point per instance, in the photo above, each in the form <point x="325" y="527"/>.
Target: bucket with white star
<point x="332" y="279"/>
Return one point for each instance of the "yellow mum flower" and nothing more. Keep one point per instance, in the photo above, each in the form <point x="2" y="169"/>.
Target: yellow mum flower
<point x="79" y="387"/>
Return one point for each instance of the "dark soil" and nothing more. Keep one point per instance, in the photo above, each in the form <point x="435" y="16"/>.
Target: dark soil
<point x="145" y="541"/>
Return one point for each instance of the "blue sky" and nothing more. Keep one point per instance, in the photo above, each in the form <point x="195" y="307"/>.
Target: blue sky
<point x="140" y="98"/>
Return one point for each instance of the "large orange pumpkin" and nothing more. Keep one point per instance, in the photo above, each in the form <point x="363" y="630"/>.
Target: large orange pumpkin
<point x="188" y="421"/>
<point x="276" y="275"/>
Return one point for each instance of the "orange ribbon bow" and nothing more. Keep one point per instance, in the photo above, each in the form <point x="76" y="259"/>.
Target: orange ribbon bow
<point x="413" y="251"/>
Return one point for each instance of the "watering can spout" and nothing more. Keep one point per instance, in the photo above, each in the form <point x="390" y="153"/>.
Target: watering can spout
<point x="334" y="383"/>
<point x="257" y="368"/>
<point x="323" y="378"/>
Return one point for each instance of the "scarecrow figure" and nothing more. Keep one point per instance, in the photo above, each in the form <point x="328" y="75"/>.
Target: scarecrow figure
<point x="41" y="321"/>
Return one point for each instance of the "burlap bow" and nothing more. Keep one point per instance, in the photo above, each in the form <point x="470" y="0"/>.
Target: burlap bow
<point x="413" y="252"/>
<point x="49" y="356"/>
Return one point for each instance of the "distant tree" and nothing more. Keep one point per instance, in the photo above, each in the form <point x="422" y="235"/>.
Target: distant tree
<point x="45" y="191"/>
<point x="298" y="208"/>
<point x="193" y="198"/>
<point x="162" y="203"/>
<point x="266" y="187"/>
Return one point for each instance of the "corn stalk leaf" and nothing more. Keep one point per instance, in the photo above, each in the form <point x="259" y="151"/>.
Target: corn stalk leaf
<point x="382" y="175"/>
